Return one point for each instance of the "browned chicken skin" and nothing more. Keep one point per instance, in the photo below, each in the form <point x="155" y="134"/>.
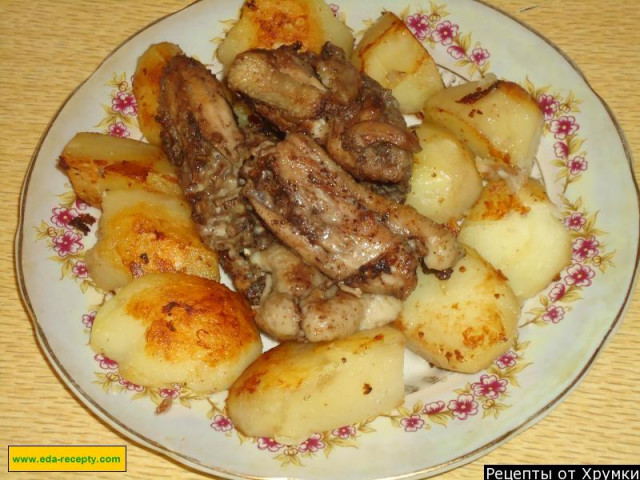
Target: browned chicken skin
<point x="348" y="232"/>
<point x="371" y="139"/>
<point x="326" y="97"/>
<point x="202" y="139"/>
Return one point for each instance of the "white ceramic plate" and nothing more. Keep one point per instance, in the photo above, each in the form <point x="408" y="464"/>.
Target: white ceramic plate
<point x="448" y="419"/>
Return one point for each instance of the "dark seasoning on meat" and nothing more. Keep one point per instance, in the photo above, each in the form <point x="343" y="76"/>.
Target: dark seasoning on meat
<point x="302" y="201"/>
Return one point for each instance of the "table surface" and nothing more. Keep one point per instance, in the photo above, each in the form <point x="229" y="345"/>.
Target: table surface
<point x="48" y="48"/>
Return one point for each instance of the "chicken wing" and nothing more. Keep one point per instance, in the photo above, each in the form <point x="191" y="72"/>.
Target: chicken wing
<point x="348" y="232"/>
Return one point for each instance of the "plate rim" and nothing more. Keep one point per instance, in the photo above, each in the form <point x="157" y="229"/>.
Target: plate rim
<point x="184" y="460"/>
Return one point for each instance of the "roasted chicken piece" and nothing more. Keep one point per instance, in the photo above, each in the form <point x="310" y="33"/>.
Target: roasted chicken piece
<point x="371" y="139"/>
<point x="348" y="232"/>
<point x="202" y="139"/>
<point x="300" y="303"/>
<point x="293" y="299"/>
<point x="294" y="90"/>
<point x="326" y="97"/>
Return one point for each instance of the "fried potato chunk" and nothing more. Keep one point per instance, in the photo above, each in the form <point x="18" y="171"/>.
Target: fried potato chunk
<point x="272" y="23"/>
<point x="498" y="120"/>
<point x="390" y="54"/>
<point x="143" y="232"/>
<point x="462" y="323"/>
<point x="146" y="87"/>
<point x="445" y="182"/>
<point x="520" y="234"/>
<point x="166" y="329"/>
<point x="95" y="162"/>
<point x="297" y="389"/>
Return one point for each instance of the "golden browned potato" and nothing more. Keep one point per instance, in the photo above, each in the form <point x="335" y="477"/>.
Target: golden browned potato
<point x="297" y="389"/>
<point x="519" y="233"/>
<point x="143" y="232"/>
<point x="390" y="54"/>
<point x="271" y="23"/>
<point x="95" y="162"/>
<point x="498" y="120"/>
<point x="465" y="322"/>
<point x="445" y="182"/>
<point x="146" y="87"/>
<point x="172" y="328"/>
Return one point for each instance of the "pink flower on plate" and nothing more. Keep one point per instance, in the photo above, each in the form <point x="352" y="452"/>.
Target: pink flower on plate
<point x="553" y="314"/>
<point x="584" y="248"/>
<point x="221" y="423"/>
<point x="557" y="292"/>
<point x="412" y="423"/>
<point x="577" y="165"/>
<point x="489" y="386"/>
<point x="68" y="243"/>
<point x="88" y="318"/>
<point x="561" y="149"/>
<point x="463" y="407"/>
<point x="565" y="125"/>
<point x="270" y="444"/>
<point x="125" y="103"/>
<point x="130" y="385"/>
<point x="419" y="25"/>
<point x="63" y="216"/>
<point x="507" y="359"/>
<point x="575" y="221"/>
<point x="170" y="392"/>
<point x="345" y="432"/>
<point x="579" y="275"/>
<point x="433" y="407"/>
<point x="445" y="32"/>
<point x="80" y="270"/>
<point x="105" y="362"/>
<point x="312" y="444"/>
<point x="335" y="9"/>
<point x="80" y="205"/>
<point x="118" y="129"/>
<point x="548" y="105"/>
<point x="457" y="52"/>
<point x="479" y="56"/>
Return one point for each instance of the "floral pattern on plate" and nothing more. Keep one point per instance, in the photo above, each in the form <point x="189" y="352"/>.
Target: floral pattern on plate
<point x="433" y="28"/>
